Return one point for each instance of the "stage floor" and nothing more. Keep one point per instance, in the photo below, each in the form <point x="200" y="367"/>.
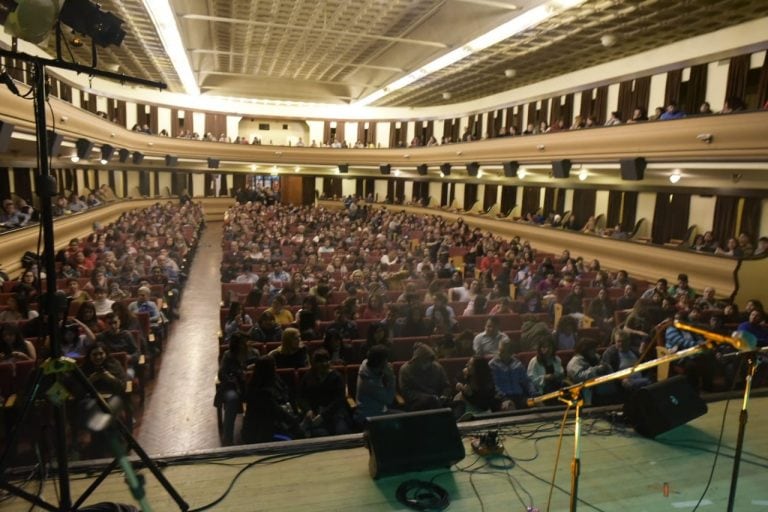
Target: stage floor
<point x="620" y="471"/>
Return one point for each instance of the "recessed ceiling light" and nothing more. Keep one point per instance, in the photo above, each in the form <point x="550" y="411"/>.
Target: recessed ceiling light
<point x="74" y="158"/>
<point x="253" y="167"/>
<point x="397" y="172"/>
<point x="296" y="169"/>
<point x="608" y="40"/>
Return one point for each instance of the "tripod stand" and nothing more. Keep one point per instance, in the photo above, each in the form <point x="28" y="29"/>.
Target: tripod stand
<point x="57" y="366"/>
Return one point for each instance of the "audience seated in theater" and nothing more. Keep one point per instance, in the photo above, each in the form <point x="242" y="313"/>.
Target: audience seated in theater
<point x="731" y="249"/>
<point x="477" y="393"/>
<point x="238" y="358"/>
<point x="755" y="326"/>
<point x="584" y="365"/>
<point x="423" y="381"/>
<point x="307" y="318"/>
<point x="119" y="340"/>
<point x="144" y="304"/>
<point x="86" y="314"/>
<point x="291" y="353"/>
<point x="510" y="376"/>
<point x="376" y="386"/>
<point x="476" y="306"/>
<point x="13" y="346"/>
<point x="75" y="340"/>
<point x="74" y="293"/>
<point x="413" y="323"/>
<point x="638" y="116"/>
<point x="628" y="298"/>
<point x="762" y="246"/>
<point x="104" y="371"/>
<point x="266" y="329"/>
<point x="441" y="315"/>
<point x="340" y="351"/>
<point x="682" y="287"/>
<point x="672" y="112"/>
<point x="102" y="304"/>
<point x="487" y="342"/>
<point x="601" y="310"/>
<point x="545" y="369"/>
<point x="17" y="310"/>
<point x="574" y="301"/>
<point x="269" y="414"/>
<point x="566" y="334"/>
<point x="280" y="313"/>
<point x="620" y="356"/>
<point x="322" y="399"/>
<point x="699" y="370"/>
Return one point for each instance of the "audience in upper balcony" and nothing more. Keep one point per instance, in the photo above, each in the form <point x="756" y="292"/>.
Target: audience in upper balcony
<point x="672" y="112"/>
<point x="614" y="119"/>
<point x="638" y="115"/>
<point x="657" y="113"/>
<point x="705" y="109"/>
<point x="733" y="104"/>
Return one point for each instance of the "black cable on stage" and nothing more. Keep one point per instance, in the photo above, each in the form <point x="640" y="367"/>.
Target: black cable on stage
<point x="423" y="495"/>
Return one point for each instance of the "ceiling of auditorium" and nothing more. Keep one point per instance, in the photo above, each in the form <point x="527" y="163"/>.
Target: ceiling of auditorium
<point x="338" y="51"/>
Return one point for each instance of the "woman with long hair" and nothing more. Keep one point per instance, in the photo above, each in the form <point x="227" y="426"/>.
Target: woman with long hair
<point x="269" y="413"/>
<point x="479" y="391"/>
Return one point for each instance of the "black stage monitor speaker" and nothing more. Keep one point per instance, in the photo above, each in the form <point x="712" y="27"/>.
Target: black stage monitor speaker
<point x="6" y="130"/>
<point x="343" y="168"/>
<point x="632" y="169"/>
<point x="663" y="406"/>
<point x="422" y="169"/>
<point x="138" y="157"/>
<point x="472" y="169"/>
<point x="213" y="163"/>
<point x="399" y="443"/>
<point x="123" y="154"/>
<point x="445" y="169"/>
<point x="171" y="161"/>
<point x="561" y="168"/>
<point x="54" y="143"/>
<point x="385" y="169"/>
<point x="510" y="169"/>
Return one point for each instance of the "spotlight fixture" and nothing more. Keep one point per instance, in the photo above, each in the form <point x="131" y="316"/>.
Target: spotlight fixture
<point x="83" y="147"/>
<point x="522" y="173"/>
<point x="510" y="73"/>
<point x="675" y="176"/>
<point x="608" y="40"/>
<point x="138" y="157"/>
<point x="422" y="169"/>
<point x="123" y="155"/>
<point x="446" y="95"/>
<point x="171" y="160"/>
<point x="385" y="169"/>
<point x="106" y="153"/>
<point x="510" y="168"/>
<point x="472" y="169"/>
<point x="87" y="18"/>
<point x="445" y="170"/>
<point x="343" y="168"/>
<point x="583" y="174"/>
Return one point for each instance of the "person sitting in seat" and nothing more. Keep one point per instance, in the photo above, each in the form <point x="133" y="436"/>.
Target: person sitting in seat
<point x="423" y="381"/>
<point x="510" y="376"/>
<point x="545" y="370"/>
<point x="291" y="353"/>
<point x="487" y="343"/>
<point x="585" y="365"/>
<point x="238" y="358"/>
<point x="269" y="413"/>
<point x="322" y="398"/>
<point x="478" y="393"/>
<point x="118" y="340"/>
<point x="376" y="385"/>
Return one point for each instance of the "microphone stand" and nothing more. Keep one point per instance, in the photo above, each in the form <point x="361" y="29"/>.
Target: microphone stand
<point x="747" y="346"/>
<point x="572" y="395"/>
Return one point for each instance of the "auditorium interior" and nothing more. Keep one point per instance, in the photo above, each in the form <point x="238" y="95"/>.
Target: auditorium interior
<point x="301" y="189"/>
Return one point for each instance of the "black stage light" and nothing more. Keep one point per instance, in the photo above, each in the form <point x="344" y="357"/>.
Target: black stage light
<point x="422" y="169"/>
<point x="171" y="160"/>
<point x="385" y="169"/>
<point x="138" y="157"/>
<point x="124" y="154"/>
<point x="106" y="153"/>
<point x="343" y="168"/>
<point x="87" y="18"/>
<point x="445" y="169"/>
<point x="632" y="169"/>
<point x="561" y="169"/>
<point x="213" y="163"/>
<point x="83" y="147"/>
<point x="510" y="169"/>
<point x="472" y="169"/>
